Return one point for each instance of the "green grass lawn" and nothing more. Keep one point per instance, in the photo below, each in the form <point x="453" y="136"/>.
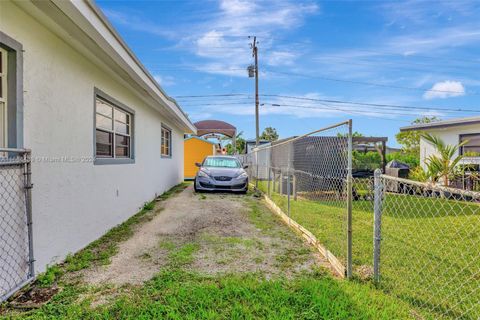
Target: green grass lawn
<point x="178" y="294"/>
<point x="430" y="247"/>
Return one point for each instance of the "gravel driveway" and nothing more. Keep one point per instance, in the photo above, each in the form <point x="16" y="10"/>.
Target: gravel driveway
<point x="226" y="233"/>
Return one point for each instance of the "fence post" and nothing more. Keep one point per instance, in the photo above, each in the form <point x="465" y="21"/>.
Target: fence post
<point x="28" y="206"/>
<point x="256" y="169"/>
<point x="294" y="185"/>
<point x="349" y="201"/>
<point x="377" y="224"/>
<point x="288" y="194"/>
<point x="269" y="178"/>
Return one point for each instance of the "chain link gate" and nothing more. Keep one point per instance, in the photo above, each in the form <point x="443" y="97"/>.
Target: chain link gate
<point x="16" y="249"/>
<point x="309" y="179"/>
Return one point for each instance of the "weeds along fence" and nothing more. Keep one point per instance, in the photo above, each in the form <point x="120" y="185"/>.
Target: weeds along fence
<point x="307" y="178"/>
<point x="16" y="253"/>
<point x="416" y="241"/>
<point x="427" y="246"/>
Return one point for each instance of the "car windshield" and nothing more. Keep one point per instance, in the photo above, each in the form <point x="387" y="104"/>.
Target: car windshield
<point x="221" y="163"/>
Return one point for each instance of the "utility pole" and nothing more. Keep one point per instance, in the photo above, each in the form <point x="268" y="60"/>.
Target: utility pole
<point x="255" y="55"/>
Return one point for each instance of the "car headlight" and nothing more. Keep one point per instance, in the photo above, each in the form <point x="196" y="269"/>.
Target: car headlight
<point x="203" y="174"/>
<point x="242" y="175"/>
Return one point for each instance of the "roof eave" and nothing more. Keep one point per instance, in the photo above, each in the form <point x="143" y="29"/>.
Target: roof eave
<point x="89" y="18"/>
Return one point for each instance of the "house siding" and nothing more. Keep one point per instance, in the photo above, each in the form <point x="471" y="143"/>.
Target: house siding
<point x="450" y="135"/>
<point x="75" y="202"/>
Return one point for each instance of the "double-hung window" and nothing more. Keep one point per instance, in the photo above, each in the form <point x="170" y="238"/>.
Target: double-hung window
<point x="472" y="147"/>
<point x="166" y="143"/>
<point x="113" y="132"/>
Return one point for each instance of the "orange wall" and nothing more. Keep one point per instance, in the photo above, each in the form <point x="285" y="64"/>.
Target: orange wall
<point x="195" y="151"/>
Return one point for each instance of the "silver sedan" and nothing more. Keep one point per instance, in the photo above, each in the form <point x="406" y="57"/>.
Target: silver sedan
<point x="221" y="173"/>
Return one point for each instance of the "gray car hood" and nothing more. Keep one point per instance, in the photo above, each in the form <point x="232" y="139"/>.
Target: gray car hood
<point x="226" y="172"/>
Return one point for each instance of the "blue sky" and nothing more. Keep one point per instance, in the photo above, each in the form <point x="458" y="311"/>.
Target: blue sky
<point x="422" y="54"/>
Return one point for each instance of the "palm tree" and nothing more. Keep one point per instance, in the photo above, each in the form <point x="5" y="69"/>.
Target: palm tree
<point x="444" y="165"/>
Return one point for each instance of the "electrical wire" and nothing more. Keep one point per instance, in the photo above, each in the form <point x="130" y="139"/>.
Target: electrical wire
<point x="377" y="105"/>
<point x="364" y="83"/>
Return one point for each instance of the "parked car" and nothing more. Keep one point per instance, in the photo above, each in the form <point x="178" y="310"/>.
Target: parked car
<point x="221" y="173"/>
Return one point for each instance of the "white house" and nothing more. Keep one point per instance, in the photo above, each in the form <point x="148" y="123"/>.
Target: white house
<point x="105" y="138"/>
<point x="451" y="132"/>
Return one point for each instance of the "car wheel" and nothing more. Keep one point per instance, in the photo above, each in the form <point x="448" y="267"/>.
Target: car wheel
<point x="195" y="185"/>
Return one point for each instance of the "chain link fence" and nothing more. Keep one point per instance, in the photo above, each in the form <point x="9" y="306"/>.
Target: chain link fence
<point x="427" y="246"/>
<point x="417" y="241"/>
<point x="16" y="254"/>
<point x="307" y="177"/>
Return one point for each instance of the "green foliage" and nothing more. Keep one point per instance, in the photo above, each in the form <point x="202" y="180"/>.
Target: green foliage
<point x="269" y="134"/>
<point x="410" y="140"/>
<point x="370" y="160"/>
<point x="443" y="167"/>
<point x="418" y="174"/>
<point x="471" y="154"/>
<point x="412" y="160"/>
<point x="50" y="276"/>
<point x="240" y="143"/>
<point x="149" y="206"/>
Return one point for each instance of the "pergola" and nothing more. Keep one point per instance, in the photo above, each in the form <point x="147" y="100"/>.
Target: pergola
<point x="379" y="143"/>
<point x="207" y="127"/>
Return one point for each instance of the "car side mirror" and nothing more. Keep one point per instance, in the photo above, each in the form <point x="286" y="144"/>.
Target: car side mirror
<point x="198" y="164"/>
<point x="245" y="166"/>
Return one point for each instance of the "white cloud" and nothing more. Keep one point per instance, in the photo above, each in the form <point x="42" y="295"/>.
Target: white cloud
<point x="445" y="89"/>
<point x="278" y="58"/>
<point x="165" y="81"/>
<point x="137" y="23"/>
<point x="223" y="38"/>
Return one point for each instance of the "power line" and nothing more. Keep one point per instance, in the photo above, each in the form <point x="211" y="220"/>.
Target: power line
<point x="378" y="105"/>
<point x="362" y="82"/>
<point x="373" y="104"/>
<point x="347" y="111"/>
<point x="213" y="95"/>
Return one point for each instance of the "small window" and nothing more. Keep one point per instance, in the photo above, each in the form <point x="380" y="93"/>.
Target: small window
<point x="166" y="147"/>
<point x="113" y="136"/>
<point x="472" y="147"/>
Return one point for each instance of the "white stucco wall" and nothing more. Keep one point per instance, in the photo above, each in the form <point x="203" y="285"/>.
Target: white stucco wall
<point x="450" y="135"/>
<point x="75" y="203"/>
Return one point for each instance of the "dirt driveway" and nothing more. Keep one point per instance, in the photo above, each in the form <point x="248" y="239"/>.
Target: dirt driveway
<point x="222" y="233"/>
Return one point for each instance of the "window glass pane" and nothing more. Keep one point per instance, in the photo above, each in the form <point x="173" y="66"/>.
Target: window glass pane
<point x="104" y="143"/>
<point x="120" y="116"/>
<point x="471" y="151"/>
<point x="1" y="62"/>
<point x="122" y="148"/>
<point x="104" y="122"/>
<point x="104" y="108"/>
<point x="121" y="128"/>
<point x="473" y="140"/>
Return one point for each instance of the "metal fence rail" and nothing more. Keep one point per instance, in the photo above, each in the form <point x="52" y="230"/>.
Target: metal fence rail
<point x="427" y="246"/>
<point x="16" y="253"/>
<point x="309" y="179"/>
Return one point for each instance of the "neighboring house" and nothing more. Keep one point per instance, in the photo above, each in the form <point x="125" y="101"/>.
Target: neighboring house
<point x="451" y="132"/>
<point x="250" y="145"/>
<point x="197" y="149"/>
<point x="105" y="138"/>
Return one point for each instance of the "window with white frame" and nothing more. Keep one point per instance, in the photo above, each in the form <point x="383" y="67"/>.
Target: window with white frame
<point x="113" y="131"/>
<point x="166" y="146"/>
<point x="472" y="147"/>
